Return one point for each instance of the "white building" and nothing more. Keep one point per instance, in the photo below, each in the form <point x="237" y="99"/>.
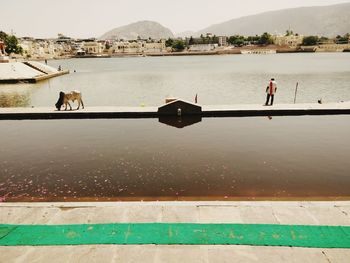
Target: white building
<point x="154" y="47"/>
<point x="222" y="41"/>
<point x="291" y="41"/>
<point x="127" y="47"/>
<point x="34" y="48"/>
<point x="140" y="46"/>
<point x="202" y="47"/>
<point x="92" y="47"/>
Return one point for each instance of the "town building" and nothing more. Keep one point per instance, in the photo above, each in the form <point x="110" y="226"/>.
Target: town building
<point x="92" y="47"/>
<point x="3" y="56"/>
<point x="38" y="48"/>
<point x="202" y="47"/>
<point x="139" y="46"/>
<point x="291" y="41"/>
<point x="127" y="47"/>
<point x="2" y="48"/>
<point x="155" y="47"/>
<point x="332" y="47"/>
<point x="222" y="41"/>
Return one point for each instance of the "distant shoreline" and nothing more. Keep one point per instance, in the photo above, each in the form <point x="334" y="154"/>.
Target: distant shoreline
<point x="261" y="51"/>
<point x="233" y="51"/>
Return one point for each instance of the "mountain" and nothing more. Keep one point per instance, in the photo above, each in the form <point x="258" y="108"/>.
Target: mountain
<point x="316" y="20"/>
<point x="143" y="29"/>
<point x="184" y="34"/>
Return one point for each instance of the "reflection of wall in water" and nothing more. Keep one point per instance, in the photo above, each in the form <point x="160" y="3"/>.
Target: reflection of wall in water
<point x="180" y="122"/>
<point x="14" y="99"/>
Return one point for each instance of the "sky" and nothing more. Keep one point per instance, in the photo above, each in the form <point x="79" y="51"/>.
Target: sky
<point x="88" y="18"/>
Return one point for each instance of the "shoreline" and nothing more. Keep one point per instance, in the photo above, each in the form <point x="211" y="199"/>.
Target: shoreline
<point x="268" y="50"/>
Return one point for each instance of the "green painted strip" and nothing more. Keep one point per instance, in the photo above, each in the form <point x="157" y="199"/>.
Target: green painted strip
<point x="173" y="233"/>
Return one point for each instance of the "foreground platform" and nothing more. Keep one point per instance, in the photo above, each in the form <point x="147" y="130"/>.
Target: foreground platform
<point x="273" y="213"/>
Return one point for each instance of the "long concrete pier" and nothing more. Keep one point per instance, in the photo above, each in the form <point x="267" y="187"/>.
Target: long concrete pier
<point x="243" y="110"/>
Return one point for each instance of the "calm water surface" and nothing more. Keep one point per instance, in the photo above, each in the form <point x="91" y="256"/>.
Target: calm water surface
<point x="218" y="80"/>
<point x="298" y="158"/>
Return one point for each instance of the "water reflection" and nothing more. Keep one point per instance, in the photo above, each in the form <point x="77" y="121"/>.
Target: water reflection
<point x="180" y="122"/>
<point x="220" y="159"/>
<point x="14" y="99"/>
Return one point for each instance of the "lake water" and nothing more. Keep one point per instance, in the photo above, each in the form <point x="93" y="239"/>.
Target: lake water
<point x="298" y="158"/>
<point x="218" y="80"/>
<point x="256" y="158"/>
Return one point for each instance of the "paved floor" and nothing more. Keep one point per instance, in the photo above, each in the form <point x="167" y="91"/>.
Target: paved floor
<point x="308" y="213"/>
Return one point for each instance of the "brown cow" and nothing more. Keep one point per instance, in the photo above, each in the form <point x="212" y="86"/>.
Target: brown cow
<point x="64" y="98"/>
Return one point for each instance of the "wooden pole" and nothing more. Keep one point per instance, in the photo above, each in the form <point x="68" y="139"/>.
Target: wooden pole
<point x="296" y="90"/>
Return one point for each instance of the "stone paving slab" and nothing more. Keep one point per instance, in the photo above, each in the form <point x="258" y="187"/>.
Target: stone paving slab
<point x="308" y="213"/>
<point x="311" y="213"/>
<point x="162" y="253"/>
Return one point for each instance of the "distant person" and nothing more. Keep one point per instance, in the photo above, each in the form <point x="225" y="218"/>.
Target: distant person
<point x="46" y="61"/>
<point x="271" y="90"/>
<point x="59" y="68"/>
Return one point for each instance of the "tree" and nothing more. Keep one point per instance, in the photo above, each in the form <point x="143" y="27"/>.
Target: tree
<point x="289" y="33"/>
<point x="342" y="39"/>
<point x="169" y="42"/>
<point x="215" y="40"/>
<point x="323" y="40"/>
<point x="253" y="39"/>
<point x="178" y="45"/>
<point x="265" y="39"/>
<point x="310" y="41"/>
<point x="347" y="35"/>
<point x="191" y="41"/>
<point x="236" y="40"/>
<point x="3" y="35"/>
<point x="11" y="43"/>
<point x="107" y="45"/>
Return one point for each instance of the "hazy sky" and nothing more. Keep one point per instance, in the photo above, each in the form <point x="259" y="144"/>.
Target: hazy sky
<point x="88" y="18"/>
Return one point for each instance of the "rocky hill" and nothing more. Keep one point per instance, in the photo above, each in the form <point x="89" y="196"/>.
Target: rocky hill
<point x="318" y="20"/>
<point x="143" y="29"/>
<point x="184" y="34"/>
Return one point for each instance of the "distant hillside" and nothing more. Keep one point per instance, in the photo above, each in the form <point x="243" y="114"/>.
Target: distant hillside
<point x="143" y="29"/>
<point x="319" y="20"/>
<point x="184" y="34"/>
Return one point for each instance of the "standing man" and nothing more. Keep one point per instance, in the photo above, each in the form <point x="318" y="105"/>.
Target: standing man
<point x="271" y="90"/>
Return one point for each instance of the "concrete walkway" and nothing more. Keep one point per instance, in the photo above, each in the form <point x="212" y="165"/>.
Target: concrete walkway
<point x="295" y="213"/>
<point x="240" y="110"/>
